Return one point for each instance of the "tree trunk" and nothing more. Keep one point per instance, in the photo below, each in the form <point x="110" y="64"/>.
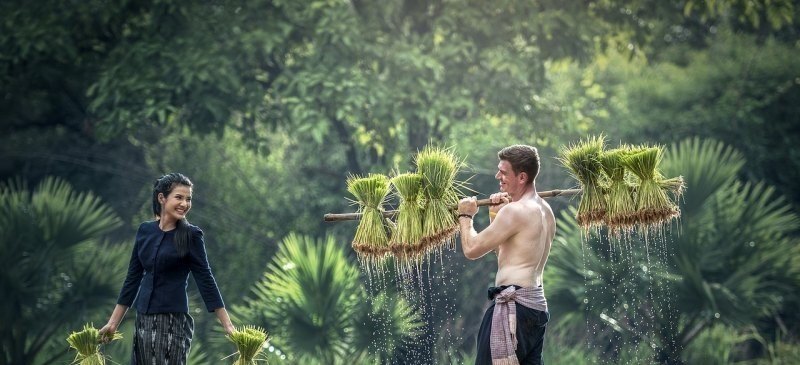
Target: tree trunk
<point x="419" y="134"/>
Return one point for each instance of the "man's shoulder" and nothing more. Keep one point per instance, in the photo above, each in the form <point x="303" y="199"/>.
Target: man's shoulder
<point x="527" y="209"/>
<point x="523" y="208"/>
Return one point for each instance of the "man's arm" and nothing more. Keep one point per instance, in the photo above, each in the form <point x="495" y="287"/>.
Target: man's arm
<point x="474" y="244"/>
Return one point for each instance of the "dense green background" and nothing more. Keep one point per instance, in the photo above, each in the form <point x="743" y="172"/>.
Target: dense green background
<point x="268" y="105"/>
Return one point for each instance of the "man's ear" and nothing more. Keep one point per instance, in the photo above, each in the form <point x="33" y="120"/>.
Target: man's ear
<point x="523" y="177"/>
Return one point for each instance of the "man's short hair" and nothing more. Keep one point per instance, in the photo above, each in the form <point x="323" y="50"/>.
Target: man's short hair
<point x="523" y="158"/>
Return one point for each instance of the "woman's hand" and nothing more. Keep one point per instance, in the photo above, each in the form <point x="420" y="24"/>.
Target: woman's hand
<point x="229" y="328"/>
<point x="225" y="320"/>
<point x="108" y="331"/>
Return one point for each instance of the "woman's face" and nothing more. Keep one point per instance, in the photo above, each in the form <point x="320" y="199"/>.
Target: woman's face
<point x="177" y="204"/>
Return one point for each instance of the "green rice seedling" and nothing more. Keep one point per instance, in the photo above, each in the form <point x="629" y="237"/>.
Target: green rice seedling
<point x="371" y="241"/>
<point x="250" y="342"/>
<point x="583" y="162"/>
<point x="675" y="185"/>
<point x="87" y="344"/>
<point x="653" y="207"/>
<point x="438" y="167"/>
<point x="408" y="231"/>
<point x="620" y="204"/>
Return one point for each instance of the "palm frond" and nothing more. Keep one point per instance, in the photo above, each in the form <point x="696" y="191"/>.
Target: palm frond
<point x="706" y="166"/>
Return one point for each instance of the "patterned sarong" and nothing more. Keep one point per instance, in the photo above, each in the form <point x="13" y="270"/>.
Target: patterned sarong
<point x="503" y="341"/>
<point x="162" y="339"/>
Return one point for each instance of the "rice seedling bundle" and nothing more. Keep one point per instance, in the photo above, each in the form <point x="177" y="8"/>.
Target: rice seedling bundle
<point x="653" y="207"/>
<point x="438" y="167"/>
<point x="249" y="343"/>
<point x="583" y="161"/>
<point x="87" y="343"/>
<point x="407" y="235"/>
<point x="371" y="241"/>
<point x="620" y="205"/>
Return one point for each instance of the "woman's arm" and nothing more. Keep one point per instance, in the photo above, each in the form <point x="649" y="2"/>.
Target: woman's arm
<point x="224" y="320"/>
<point x="201" y="270"/>
<point x="113" y="323"/>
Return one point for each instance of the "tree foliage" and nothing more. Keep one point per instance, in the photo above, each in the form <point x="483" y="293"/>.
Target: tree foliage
<point x="268" y="104"/>
<point x="58" y="269"/>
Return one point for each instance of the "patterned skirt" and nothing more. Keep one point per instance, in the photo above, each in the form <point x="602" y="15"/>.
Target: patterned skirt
<point x="162" y="339"/>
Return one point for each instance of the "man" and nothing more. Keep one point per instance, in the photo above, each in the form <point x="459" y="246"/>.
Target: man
<point x="520" y="231"/>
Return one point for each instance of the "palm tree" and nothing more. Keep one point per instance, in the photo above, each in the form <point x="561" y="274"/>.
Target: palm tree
<point x="736" y="252"/>
<point x="312" y="302"/>
<point x="728" y="260"/>
<point x="56" y="271"/>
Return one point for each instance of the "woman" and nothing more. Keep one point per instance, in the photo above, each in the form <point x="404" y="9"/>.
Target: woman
<point x="166" y="250"/>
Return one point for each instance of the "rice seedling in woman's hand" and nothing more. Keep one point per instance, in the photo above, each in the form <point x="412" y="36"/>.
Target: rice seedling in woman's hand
<point x="583" y="162"/>
<point x="371" y="241"/>
<point x="250" y="342"/>
<point x="438" y="167"/>
<point x="87" y="343"/>
<point x="407" y="235"/>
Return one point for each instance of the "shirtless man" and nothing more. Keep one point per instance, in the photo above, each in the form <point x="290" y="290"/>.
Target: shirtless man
<point x="520" y="231"/>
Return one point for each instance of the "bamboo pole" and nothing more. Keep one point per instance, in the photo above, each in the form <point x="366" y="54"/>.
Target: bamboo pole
<point x="338" y="217"/>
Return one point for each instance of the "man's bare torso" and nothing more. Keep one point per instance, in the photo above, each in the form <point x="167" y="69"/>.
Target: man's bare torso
<point x="521" y="258"/>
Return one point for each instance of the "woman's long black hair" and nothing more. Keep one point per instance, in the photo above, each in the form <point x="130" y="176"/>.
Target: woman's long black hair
<point x="164" y="185"/>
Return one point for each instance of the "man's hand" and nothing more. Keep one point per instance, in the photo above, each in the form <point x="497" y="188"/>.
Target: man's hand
<point x="499" y="200"/>
<point x="468" y="205"/>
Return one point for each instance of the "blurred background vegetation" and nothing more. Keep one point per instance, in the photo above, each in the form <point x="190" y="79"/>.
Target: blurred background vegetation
<point x="268" y="105"/>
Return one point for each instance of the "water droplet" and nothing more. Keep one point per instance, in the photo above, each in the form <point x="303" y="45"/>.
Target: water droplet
<point x="716" y="315"/>
<point x="585" y="300"/>
<point x="752" y="244"/>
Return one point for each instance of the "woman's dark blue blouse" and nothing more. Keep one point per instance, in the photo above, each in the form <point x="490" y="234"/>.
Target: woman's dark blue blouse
<point x="157" y="277"/>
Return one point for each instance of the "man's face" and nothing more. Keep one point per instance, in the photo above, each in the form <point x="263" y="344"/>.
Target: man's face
<point x="509" y="181"/>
